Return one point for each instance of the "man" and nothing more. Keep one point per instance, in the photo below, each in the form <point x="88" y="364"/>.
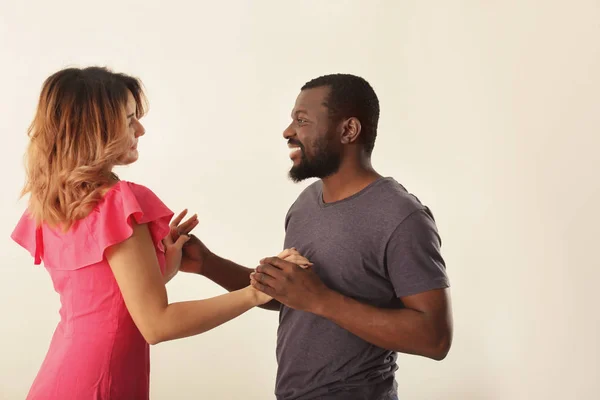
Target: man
<point x="377" y="285"/>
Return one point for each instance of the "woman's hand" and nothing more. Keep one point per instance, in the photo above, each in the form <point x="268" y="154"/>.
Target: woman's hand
<point x="259" y="298"/>
<point x="292" y="255"/>
<point x="174" y="243"/>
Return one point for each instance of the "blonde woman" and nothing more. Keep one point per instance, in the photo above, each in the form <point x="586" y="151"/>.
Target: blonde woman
<point x="108" y="245"/>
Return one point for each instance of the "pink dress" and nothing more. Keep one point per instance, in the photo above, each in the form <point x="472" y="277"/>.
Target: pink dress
<point x="96" y="352"/>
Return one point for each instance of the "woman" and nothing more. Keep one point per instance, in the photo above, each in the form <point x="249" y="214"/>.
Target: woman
<point x="107" y="243"/>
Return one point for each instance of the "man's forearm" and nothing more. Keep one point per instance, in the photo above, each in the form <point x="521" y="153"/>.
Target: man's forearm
<point x="225" y="273"/>
<point x="404" y="330"/>
<point x="231" y="276"/>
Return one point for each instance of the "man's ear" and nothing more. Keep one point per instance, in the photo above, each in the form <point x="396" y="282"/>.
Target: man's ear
<point x="351" y="129"/>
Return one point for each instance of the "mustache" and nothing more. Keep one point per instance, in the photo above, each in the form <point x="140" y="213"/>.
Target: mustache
<point x="295" y="143"/>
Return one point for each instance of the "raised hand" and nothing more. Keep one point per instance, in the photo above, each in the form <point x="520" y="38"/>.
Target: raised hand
<point x="174" y="242"/>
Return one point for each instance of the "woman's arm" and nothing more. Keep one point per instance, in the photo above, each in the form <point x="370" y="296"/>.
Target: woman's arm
<point x="138" y="275"/>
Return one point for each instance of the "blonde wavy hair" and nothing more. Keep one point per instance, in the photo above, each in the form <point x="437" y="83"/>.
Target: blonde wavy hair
<point x="77" y="136"/>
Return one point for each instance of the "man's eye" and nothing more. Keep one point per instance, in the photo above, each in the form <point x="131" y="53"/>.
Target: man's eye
<point x="301" y="121"/>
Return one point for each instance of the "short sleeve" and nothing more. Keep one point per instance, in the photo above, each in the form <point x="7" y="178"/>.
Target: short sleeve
<point x="110" y="223"/>
<point x="413" y="257"/>
<point x="28" y="235"/>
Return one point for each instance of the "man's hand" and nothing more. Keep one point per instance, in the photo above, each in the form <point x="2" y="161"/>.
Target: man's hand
<point x="296" y="287"/>
<point x="423" y="327"/>
<point x="195" y="254"/>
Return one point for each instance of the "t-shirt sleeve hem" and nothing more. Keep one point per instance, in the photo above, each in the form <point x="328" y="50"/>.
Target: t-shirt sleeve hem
<point x="437" y="283"/>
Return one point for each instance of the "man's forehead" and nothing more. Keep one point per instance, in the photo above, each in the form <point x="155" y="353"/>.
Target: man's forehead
<point x="312" y="99"/>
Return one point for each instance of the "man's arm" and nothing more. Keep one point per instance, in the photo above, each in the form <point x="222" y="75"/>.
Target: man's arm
<point x="198" y="259"/>
<point x="231" y="276"/>
<point x="417" y="273"/>
<point x="423" y="327"/>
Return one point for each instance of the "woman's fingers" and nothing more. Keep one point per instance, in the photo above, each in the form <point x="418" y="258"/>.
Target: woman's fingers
<point x="292" y="255"/>
<point x="185" y="228"/>
<point x="287" y="252"/>
<point x="178" y="218"/>
<point x="298" y="260"/>
<point x="181" y="241"/>
<point x="188" y="225"/>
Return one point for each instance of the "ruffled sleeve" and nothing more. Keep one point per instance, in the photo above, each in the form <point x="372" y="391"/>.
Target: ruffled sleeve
<point x="108" y="224"/>
<point x="29" y="236"/>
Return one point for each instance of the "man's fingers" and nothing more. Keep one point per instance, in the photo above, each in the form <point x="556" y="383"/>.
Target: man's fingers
<point x="265" y="279"/>
<point x="265" y="289"/>
<point x="262" y="279"/>
<point x="278" y="263"/>
<point x="270" y="270"/>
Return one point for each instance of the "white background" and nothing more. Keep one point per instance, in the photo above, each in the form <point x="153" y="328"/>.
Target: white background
<point x="490" y="112"/>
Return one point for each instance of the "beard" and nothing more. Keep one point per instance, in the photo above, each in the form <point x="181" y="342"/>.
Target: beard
<point x="325" y="161"/>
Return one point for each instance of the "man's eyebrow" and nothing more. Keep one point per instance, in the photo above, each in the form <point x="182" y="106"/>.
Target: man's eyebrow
<point x="295" y="113"/>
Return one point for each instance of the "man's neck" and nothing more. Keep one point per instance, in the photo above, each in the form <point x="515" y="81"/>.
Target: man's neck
<point x="348" y="181"/>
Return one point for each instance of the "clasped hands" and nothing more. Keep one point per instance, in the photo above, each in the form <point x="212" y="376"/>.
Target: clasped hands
<point x="290" y="279"/>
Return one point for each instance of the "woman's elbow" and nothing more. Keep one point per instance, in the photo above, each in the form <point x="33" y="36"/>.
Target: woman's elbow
<point x="152" y="338"/>
<point x="152" y="326"/>
<point x="152" y="334"/>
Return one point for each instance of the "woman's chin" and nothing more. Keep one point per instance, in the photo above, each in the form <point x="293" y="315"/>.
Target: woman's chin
<point x="129" y="158"/>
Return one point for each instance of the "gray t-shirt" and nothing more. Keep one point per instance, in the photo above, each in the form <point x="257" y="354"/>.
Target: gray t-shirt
<point x="375" y="246"/>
